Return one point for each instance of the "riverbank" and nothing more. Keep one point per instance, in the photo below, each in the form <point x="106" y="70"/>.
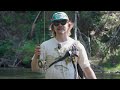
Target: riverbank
<point x="105" y="69"/>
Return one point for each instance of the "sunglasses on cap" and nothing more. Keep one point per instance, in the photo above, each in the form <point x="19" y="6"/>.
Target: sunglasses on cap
<point x="57" y="22"/>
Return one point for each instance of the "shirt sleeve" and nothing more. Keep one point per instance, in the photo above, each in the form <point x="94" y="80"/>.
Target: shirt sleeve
<point x="83" y="58"/>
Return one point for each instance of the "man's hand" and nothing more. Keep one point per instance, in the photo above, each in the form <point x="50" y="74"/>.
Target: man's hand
<point x="37" y="52"/>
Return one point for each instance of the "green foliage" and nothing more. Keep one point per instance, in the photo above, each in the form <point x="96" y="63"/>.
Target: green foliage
<point x="27" y="50"/>
<point x="24" y="27"/>
<point x="18" y="24"/>
<point x="8" y="19"/>
<point x="5" y="46"/>
<point x="41" y="33"/>
<point x="112" y="61"/>
<point x="28" y="46"/>
<point x="26" y="60"/>
<point x="98" y="48"/>
<point x="89" y="21"/>
<point x="31" y="15"/>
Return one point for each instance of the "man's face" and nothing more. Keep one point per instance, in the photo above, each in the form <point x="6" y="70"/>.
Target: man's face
<point x="60" y="26"/>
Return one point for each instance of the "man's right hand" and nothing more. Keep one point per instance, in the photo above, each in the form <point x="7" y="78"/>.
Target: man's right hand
<point x="34" y="63"/>
<point x="37" y="52"/>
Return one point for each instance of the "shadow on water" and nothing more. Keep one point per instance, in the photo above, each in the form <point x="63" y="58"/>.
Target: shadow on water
<point x="19" y="73"/>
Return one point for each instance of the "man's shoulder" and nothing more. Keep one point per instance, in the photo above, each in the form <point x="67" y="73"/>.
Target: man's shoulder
<point x="71" y="39"/>
<point x="48" y="41"/>
<point x="79" y="44"/>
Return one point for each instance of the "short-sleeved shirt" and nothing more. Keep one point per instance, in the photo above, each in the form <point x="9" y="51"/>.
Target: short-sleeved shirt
<point x="61" y="70"/>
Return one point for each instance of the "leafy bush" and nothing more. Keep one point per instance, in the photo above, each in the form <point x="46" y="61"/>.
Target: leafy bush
<point x="5" y="47"/>
<point x="27" y="51"/>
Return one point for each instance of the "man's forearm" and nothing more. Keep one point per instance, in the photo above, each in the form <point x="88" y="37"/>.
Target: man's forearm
<point x="34" y="65"/>
<point x="89" y="73"/>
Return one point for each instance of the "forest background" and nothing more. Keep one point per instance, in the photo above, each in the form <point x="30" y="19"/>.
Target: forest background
<point x="21" y="31"/>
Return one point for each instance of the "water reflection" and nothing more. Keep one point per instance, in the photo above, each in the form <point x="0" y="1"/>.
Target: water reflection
<point x="19" y="73"/>
<point x="26" y="73"/>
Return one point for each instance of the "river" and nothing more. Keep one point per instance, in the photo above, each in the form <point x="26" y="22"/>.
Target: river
<point x="26" y="73"/>
<point x="19" y="73"/>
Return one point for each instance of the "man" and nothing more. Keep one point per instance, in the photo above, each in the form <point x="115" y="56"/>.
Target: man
<point x="61" y="53"/>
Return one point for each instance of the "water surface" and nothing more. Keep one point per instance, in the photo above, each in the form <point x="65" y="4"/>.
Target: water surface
<point x="19" y="73"/>
<point x="26" y="73"/>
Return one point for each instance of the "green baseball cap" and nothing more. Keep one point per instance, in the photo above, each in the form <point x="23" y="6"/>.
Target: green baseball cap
<point x="59" y="16"/>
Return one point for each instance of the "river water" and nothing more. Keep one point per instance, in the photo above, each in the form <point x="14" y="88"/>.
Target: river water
<point x="26" y="73"/>
<point x="19" y="73"/>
